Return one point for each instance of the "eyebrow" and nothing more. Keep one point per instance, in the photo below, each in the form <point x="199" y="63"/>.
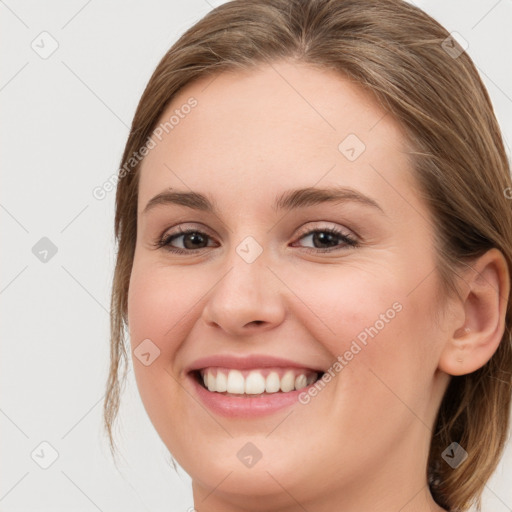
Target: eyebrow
<point x="289" y="200"/>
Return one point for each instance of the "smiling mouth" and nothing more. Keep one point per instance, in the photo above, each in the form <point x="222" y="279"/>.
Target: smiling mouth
<point x="255" y="383"/>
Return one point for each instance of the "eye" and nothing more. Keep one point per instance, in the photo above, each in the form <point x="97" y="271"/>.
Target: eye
<point x="329" y="239"/>
<point x="192" y="240"/>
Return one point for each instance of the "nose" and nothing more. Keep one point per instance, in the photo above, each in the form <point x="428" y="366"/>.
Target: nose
<point x="247" y="299"/>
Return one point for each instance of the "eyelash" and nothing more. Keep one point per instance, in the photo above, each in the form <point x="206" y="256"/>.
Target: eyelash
<point x="164" y="241"/>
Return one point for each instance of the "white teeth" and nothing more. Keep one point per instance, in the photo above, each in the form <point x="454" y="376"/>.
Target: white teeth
<point x="272" y="384"/>
<point x="254" y="384"/>
<point x="287" y="382"/>
<point x="211" y="384"/>
<point x="222" y="382"/>
<point x="301" y="382"/>
<point x="233" y="381"/>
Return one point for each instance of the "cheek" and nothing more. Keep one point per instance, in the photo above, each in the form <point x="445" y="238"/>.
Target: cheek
<point x="157" y="311"/>
<point x="345" y="304"/>
<point x="161" y="304"/>
<point x="380" y="335"/>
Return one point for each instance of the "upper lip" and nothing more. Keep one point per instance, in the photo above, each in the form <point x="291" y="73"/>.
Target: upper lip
<point x="246" y="363"/>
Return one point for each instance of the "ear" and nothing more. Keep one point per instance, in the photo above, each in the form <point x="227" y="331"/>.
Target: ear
<point x="471" y="344"/>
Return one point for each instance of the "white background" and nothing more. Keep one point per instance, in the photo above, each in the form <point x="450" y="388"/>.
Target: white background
<point x="64" y="124"/>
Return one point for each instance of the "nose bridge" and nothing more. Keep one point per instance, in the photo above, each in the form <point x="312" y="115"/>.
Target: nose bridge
<point x="247" y="294"/>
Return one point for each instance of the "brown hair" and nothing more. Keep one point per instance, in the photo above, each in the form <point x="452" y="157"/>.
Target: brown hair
<point x="402" y="56"/>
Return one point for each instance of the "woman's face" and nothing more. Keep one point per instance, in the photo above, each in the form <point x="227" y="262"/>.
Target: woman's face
<point x="345" y="286"/>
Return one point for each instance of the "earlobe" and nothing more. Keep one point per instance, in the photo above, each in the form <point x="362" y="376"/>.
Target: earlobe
<point x="473" y="343"/>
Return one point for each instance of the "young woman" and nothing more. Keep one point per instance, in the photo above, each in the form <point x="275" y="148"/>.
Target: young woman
<point x="315" y="243"/>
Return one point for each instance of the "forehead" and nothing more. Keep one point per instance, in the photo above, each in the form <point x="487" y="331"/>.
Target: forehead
<point x="282" y="125"/>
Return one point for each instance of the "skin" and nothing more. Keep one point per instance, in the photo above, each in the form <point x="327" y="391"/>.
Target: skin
<point x="363" y="442"/>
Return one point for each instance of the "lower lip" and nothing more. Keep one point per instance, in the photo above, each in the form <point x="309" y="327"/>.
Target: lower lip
<point x="246" y="406"/>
